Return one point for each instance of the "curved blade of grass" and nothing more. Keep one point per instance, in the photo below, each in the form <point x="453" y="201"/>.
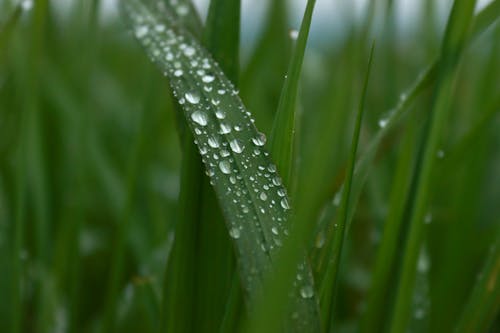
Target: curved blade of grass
<point x="282" y="136"/>
<point x="452" y="47"/>
<point x="484" y="302"/>
<point x="377" y="304"/>
<point x="427" y="78"/>
<point x="329" y="283"/>
<point x="249" y="190"/>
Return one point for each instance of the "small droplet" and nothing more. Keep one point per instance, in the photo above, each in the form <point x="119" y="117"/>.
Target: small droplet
<point x="306" y="291"/>
<point x="178" y="72"/>
<point x="200" y="118"/>
<point x="192" y="97"/>
<point x="440" y="153"/>
<point x="27" y="5"/>
<point x="263" y="196"/>
<point x="213" y="142"/>
<point x="225" y="129"/>
<point x="294" y="34"/>
<point x="259" y="140"/>
<point x="428" y="218"/>
<point x="274" y="230"/>
<point x="160" y="27"/>
<point x="189" y="51"/>
<point x="182" y="10"/>
<point x="236" y="146"/>
<point x="235" y="233"/>
<point x="208" y="78"/>
<point x="284" y="203"/>
<point x="382" y="123"/>
<point x="225" y="167"/>
<point x="220" y="114"/>
<point x="140" y="31"/>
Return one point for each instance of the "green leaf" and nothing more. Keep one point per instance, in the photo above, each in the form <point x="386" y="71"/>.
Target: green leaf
<point x="452" y="47"/>
<point x="331" y="276"/>
<point x="483" y="304"/>
<point x="282" y="136"/>
<point x="378" y="301"/>
<point x="248" y="188"/>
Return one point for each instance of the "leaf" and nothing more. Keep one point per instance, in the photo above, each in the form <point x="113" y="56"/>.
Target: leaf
<point x="282" y="137"/>
<point x="331" y="276"/>
<point x="453" y="44"/>
<point x="249" y="190"/>
<point x="483" y="304"/>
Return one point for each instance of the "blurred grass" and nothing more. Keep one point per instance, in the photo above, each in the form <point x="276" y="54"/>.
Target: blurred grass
<point x="89" y="153"/>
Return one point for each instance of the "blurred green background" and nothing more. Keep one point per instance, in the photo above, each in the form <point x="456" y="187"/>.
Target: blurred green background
<point x="88" y="142"/>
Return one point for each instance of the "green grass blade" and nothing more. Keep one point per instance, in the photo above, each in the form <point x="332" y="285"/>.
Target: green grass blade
<point x="222" y="37"/>
<point x="248" y="188"/>
<point x="484" y="302"/>
<point x="377" y="304"/>
<point x="281" y="141"/>
<point x="7" y="27"/>
<point x="330" y="280"/>
<point x="453" y="44"/>
<point x="427" y="78"/>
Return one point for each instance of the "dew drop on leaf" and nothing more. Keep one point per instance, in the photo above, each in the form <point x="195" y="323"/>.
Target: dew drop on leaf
<point x="200" y="118"/>
<point x="225" y="167"/>
<point x="259" y="140"/>
<point x="192" y="97"/>
<point x="234" y="232"/>
<point x="306" y="291"/>
<point x="236" y="146"/>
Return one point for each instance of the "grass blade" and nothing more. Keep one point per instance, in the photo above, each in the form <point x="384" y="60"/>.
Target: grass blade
<point x="377" y="303"/>
<point x="249" y="190"/>
<point x="330" y="280"/>
<point x="484" y="302"/>
<point x="282" y="136"/>
<point x="453" y="44"/>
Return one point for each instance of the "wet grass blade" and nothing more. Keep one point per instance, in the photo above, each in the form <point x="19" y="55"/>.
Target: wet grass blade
<point x="328" y="287"/>
<point x="377" y="304"/>
<point x="249" y="190"/>
<point x="453" y="43"/>
<point x="281" y="141"/>
<point x="484" y="302"/>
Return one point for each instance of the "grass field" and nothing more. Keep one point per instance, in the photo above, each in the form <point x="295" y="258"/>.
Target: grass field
<point x="152" y="181"/>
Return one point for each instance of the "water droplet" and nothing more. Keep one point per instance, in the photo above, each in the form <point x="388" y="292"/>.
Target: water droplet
<point x="140" y="31"/>
<point x="337" y="198"/>
<point x="192" y="97"/>
<point x="236" y="146"/>
<point x="382" y="123"/>
<point x="220" y="114"/>
<point x="27" y="5"/>
<point x="263" y="196"/>
<point x="284" y="203"/>
<point x="440" y="153"/>
<point x="259" y="140"/>
<point x="293" y="34"/>
<point x="208" y="78"/>
<point x="419" y="313"/>
<point x="225" y="129"/>
<point x="306" y="291"/>
<point x="200" y="118"/>
<point x="274" y="230"/>
<point x="235" y="233"/>
<point x="213" y="142"/>
<point x="320" y="240"/>
<point x="160" y="27"/>
<point x="428" y="218"/>
<point x="225" y="167"/>
<point x="182" y="10"/>
<point x="178" y="72"/>
<point x="189" y="51"/>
